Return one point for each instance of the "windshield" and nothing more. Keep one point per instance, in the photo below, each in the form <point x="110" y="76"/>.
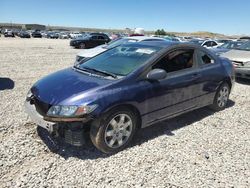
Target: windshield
<point x="245" y="46"/>
<point x="121" y="60"/>
<point x="118" y="42"/>
<point x="231" y="45"/>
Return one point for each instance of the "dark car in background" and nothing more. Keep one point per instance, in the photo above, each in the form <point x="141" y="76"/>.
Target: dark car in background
<point x="36" y="34"/>
<point x="90" y="40"/>
<point x="8" y="33"/>
<point x="227" y="46"/>
<point x="123" y="89"/>
<point x="53" y="35"/>
<point x="24" y="34"/>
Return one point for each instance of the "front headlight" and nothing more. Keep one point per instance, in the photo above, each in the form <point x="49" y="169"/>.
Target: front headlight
<point x="70" y="111"/>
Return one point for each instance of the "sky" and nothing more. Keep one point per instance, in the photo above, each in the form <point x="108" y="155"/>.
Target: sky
<point x="231" y="17"/>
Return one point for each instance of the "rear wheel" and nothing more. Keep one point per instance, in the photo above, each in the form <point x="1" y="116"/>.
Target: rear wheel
<point x="115" y="132"/>
<point x="221" y="97"/>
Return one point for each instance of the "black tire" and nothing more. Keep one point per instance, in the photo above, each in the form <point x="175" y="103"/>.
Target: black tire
<point x="99" y="129"/>
<point x="218" y="104"/>
<point x="82" y="46"/>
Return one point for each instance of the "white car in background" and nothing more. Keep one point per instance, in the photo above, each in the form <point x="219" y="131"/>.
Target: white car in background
<point x="206" y="43"/>
<point x="87" y="53"/>
<point x="75" y="35"/>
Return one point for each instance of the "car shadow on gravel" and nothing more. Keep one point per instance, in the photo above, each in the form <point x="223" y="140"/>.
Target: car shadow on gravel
<point x="6" y="83"/>
<point x="88" y="151"/>
<point x="243" y="81"/>
<point x="168" y="126"/>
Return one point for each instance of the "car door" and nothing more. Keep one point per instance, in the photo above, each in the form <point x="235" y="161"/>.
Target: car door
<point x="211" y="76"/>
<point x="93" y="41"/>
<point x="101" y="40"/>
<point x="174" y="94"/>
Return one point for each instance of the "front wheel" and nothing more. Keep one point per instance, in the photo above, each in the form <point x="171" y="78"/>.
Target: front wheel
<point x="114" y="133"/>
<point x="221" y="97"/>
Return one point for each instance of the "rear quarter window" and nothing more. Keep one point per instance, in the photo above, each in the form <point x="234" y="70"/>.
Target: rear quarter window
<point x="204" y="58"/>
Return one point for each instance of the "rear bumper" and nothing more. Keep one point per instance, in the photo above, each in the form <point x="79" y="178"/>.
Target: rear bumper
<point x="242" y="72"/>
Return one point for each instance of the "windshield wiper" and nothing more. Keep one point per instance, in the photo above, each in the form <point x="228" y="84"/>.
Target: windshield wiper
<point x="100" y="71"/>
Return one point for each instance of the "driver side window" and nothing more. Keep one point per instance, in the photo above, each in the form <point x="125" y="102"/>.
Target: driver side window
<point x="94" y="37"/>
<point x="176" y="60"/>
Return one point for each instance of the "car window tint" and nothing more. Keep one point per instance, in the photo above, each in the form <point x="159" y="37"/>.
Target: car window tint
<point x="206" y="44"/>
<point x="176" y="61"/>
<point x="100" y="38"/>
<point x="94" y="37"/>
<point x="204" y="58"/>
<point x="213" y="43"/>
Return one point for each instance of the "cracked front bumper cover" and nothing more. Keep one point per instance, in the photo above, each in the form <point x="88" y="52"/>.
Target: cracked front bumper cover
<point x="36" y="117"/>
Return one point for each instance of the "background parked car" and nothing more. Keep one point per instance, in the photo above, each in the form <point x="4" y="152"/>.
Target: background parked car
<point x="205" y="43"/>
<point x="87" y="53"/>
<point x="241" y="60"/>
<point x="53" y="35"/>
<point x="74" y="35"/>
<point x="63" y="35"/>
<point x="90" y="40"/>
<point x="36" y="34"/>
<point x="223" y="41"/>
<point x="8" y="33"/>
<point x="24" y="34"/>
<point x="227" y="46"/>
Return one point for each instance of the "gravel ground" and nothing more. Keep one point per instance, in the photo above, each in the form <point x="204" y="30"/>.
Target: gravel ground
<point x="198" y="149"/>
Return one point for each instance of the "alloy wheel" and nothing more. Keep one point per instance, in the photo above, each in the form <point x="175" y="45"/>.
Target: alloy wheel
<point x="223" y="96"/>
<point x="118" y="131"/>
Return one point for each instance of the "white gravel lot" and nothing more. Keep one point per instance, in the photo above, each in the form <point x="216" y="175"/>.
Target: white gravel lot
<point x="198" y="149"/>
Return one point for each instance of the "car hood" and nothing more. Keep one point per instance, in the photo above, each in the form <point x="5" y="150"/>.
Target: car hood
<point x="92" y="52"/>
<point x="65" y="86"/>
<point x="237" y="55"/>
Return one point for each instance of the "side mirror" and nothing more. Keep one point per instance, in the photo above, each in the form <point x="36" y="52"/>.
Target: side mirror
<point x="157" y="74"/>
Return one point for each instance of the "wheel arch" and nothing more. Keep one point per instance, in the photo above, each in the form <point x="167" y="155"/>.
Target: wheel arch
<point x="129" y="106"/>
<point x="227" y="81"/>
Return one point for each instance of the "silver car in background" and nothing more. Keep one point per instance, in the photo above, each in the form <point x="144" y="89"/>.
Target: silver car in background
<point x="241" y="60"/>
<point x="87" y="53"/>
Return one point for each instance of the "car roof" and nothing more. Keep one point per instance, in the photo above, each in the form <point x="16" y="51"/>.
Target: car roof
<point x="166" y="44"/>
<point x="161" y="44"/>
<point x="103" y="34"/>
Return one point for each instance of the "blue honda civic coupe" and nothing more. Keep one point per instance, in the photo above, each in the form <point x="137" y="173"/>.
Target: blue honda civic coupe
<point x="132" y="86"/>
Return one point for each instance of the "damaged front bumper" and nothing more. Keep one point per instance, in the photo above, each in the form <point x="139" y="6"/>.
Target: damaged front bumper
<point x="37" y="118"/>
<point x="70" y="129"/>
